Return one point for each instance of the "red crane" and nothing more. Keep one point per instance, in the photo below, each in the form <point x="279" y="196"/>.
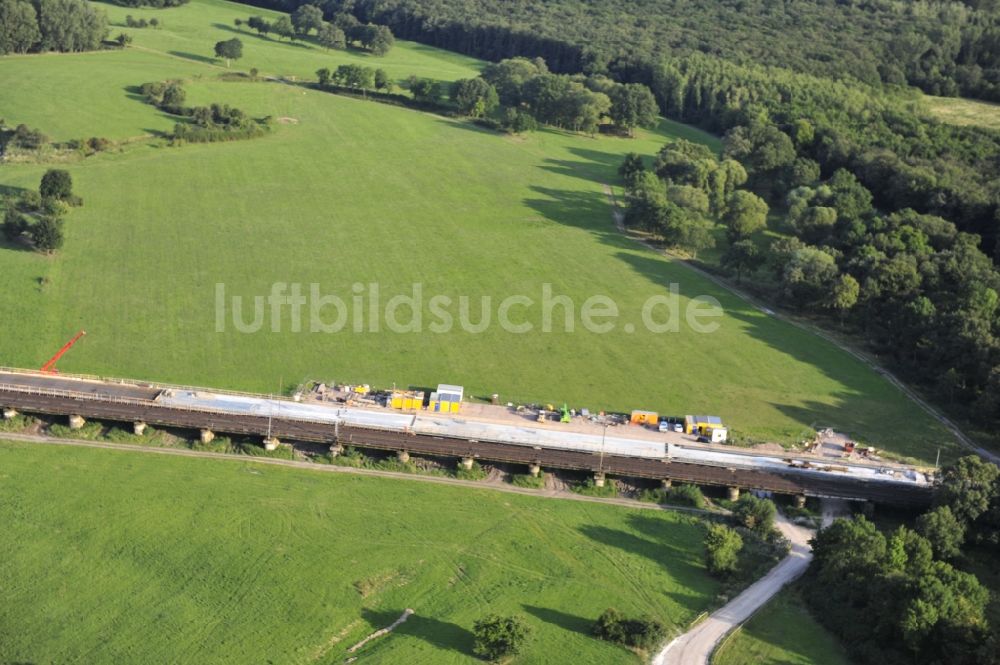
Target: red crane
<point x="50" y="367"/>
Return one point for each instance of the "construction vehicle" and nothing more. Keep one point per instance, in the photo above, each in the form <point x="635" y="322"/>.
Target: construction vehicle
<point x="565" y="417"/>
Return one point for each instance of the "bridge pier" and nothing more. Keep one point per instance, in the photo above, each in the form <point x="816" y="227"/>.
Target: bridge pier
<point x="207" y="435"/>
<point x="466" y="463"/>
<point x="271" y="443"/>
<point x="535" y="469"/>
<point x="800" y="500"/>
<point x="734" y="493"/>
<point x="9" y="413"/>
<point x="403" y="456"/>
<point x="76" y="422"/>
<point x="138" y="428"/>
<point x="336" y="449"/>
<point x="599" y="479"/>
<point x="666" y="483"/>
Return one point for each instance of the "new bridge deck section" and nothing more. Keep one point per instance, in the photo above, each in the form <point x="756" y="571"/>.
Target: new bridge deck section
<point x="133" y="402"/>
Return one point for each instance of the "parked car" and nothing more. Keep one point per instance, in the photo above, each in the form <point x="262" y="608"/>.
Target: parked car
<point x="665" y="426"/>
<point x="679" y="427"/>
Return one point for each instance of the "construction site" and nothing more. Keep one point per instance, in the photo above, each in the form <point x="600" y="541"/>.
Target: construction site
<point x="444" y="423"/>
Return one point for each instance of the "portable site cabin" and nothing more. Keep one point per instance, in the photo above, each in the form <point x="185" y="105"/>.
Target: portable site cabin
<point x="407" y="400"/>
<point x="645" y="418"/>
<point x="447" y="399"/>
<point x="702" y="424"/>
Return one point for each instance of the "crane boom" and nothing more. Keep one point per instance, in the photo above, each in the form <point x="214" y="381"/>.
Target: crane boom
<point x="49" y="367"/>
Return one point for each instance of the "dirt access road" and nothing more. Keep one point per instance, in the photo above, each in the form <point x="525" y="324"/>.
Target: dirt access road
<point x="695" y="647"/>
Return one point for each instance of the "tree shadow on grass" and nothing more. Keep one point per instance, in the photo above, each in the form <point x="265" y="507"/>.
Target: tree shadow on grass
<point x="439" y="634"/>
<point x="596" y="166"/>
<point x="564" y="620"/>
<point x="299" y="43"/>
<point x="194" y="56"/>
<point x="588" y="210"/>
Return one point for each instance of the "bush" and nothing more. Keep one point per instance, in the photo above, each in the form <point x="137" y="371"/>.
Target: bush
<point x="528" y="480"/>
<point x="722" y="549"/>
<point x="753" y="513"/>
<point x="498" y="637"/>
<point x="47" y="234"/>
<point x="644" y="633"/>
<point x="475" y="473"/>
<point x="56" y="184"/>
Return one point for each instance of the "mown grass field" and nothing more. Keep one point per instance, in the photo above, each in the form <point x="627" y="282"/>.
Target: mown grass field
<point x="116" y="556"/>
<point x="959" y="111"/>
<point x="353" y="192"/>
<point x="781" y="633"/>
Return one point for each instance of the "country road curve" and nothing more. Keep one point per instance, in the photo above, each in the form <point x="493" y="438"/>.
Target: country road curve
<point x="696" y="646"/>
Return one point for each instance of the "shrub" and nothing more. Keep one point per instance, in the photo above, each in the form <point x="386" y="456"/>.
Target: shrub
<point x="722" y="549"/>
<point x="57" y="184"/>
<point x="643" y="633"/>
<point x="47" y="234"/>
<point x="753" y="513"/>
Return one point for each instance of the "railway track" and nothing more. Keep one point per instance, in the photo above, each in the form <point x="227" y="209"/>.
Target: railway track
<point x="131" y="403"/>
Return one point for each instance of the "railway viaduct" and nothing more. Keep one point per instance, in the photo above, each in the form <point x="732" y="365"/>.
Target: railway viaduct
<point x="136" y="403"/>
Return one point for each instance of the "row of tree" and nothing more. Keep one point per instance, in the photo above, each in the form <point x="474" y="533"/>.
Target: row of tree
<point x="572" y="102"/>
<point x="50" y="25"/>
<point x="39" y="216"/>
<point x="341" y="31"/>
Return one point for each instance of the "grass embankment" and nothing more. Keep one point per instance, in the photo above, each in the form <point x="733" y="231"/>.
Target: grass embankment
<point x="113" y="556"/>
<point x="351" y="192"/>
<point x="781" y="633"/>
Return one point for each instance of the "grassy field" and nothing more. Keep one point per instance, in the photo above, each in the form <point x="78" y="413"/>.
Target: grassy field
<point x="781" y="633"/>
<point x="958" y="111"/>
<point x="351" y="192"/>
<point x="115" y="556"/>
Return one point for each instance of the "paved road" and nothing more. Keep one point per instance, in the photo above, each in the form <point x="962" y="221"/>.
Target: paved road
<point x="695" y="647"/>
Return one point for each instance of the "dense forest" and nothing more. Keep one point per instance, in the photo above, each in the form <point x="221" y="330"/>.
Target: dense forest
<point x="945" y="48"/>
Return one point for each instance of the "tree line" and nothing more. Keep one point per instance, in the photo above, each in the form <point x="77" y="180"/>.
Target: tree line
<point x="50" y="25"/>
<point x="334" y="31"/>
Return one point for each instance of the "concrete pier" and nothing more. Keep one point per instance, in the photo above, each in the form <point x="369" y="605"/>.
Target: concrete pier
<point x="336" y="450"/>
<point x="666" y="483"/>
<point x="598" y="480"/>
<point x="466" y="463"/>
<point x="138" y="428"/>
<point x="535" y="469"/>
<point x="403" y="456"/>
<point x="9" y="414"/>
<point x="800" y="500"/>
<point x="734" y="493"/>
<point x="76" y="422"/>
<point x="207" y="435"/>
<point x="271" y="443"/>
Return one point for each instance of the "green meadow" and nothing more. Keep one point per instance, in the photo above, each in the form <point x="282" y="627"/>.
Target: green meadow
<point x="347" y="192"/>
<point x="781" y="633"/>
<point x="113" y="556"/>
